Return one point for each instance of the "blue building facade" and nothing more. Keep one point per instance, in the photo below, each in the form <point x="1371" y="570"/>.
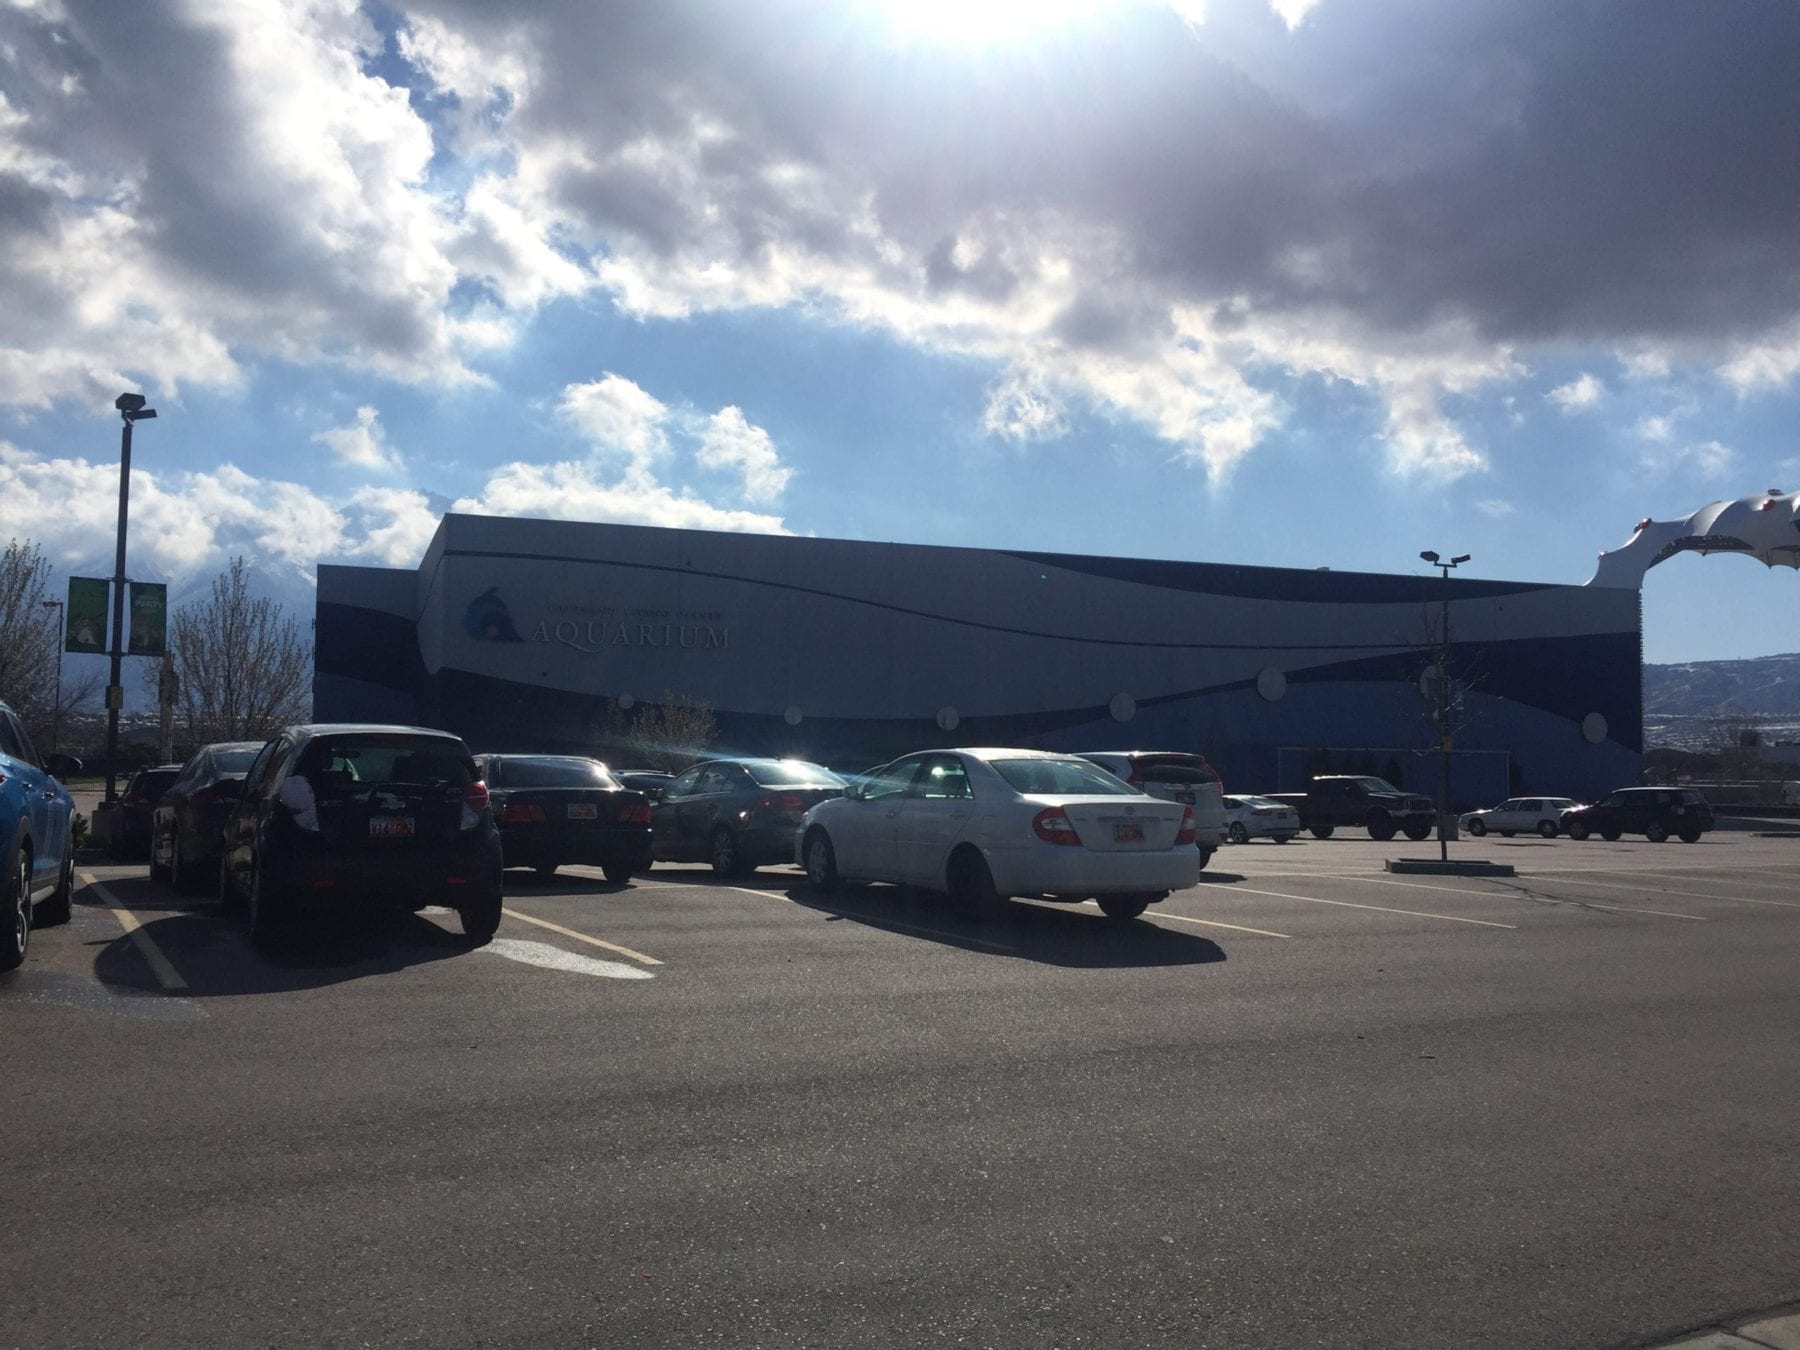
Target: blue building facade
<point x="523" y="634"/>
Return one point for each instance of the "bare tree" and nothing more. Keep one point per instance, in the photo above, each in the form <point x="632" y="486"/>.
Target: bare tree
<point x="28" y="638"/>
<point x="669" y="735"/>
<point x="243" y="668"/>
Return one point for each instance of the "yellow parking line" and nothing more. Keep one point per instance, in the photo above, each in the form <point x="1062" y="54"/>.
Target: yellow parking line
<point x="1210" y="923"/>
<point x="626" y="952"/>
<point x="160" y="966"/>
<point x="1382" y="909"/>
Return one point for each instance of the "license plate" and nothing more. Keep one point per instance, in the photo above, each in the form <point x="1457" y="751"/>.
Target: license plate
<point x="390" y="827"/>
<point x="1128" y="834"/>
<point x="583" y="811"/>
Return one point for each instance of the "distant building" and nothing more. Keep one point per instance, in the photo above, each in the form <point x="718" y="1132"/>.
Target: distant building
<point x="518" y="634"/>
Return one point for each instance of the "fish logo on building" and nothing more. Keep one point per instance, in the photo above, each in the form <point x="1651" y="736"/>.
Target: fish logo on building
<point x="487" y="618"/>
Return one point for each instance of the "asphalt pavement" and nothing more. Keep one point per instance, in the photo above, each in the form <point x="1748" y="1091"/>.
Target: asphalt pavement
<point x="1305" y="1103"/>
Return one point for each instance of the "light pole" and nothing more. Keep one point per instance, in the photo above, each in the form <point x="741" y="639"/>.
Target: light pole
<point x="56" y="706"/>
<point x="1443" y="702"/>
<point x="131" y="409"/>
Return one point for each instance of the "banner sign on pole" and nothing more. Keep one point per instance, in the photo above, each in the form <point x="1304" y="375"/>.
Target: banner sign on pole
<point x="87" y="614"/>
<point x="149" y="618"/>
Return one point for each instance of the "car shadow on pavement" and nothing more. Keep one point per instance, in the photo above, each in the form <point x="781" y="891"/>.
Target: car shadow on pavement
<point x="214" y="957"/>
<point x="1076" y="936"/>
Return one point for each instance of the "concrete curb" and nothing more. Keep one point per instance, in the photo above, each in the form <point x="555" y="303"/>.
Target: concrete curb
<point x="1757" y="1332"/>
<point x="1472" y="867"/>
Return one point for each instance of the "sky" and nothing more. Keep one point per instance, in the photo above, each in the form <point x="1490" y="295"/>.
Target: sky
<point x="1309" y="283"/>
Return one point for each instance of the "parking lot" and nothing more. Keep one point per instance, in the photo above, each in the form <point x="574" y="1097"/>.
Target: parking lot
<point x="1305" y="1102"/>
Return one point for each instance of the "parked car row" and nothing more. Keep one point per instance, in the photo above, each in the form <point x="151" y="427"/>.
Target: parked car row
<point x="1654" y="812"/>
<point x="325" y="817"/>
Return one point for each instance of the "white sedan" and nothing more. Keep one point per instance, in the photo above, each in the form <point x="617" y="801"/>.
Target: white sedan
<point x="980" y="825"/>
<point x="1248" y="818"/>
<point x="1540" y="815"/>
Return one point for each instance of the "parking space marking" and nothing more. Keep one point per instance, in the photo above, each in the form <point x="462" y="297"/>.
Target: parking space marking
<point x="1512" y="893"/>
<point x="626" y="952"/>
<point x="1213" y="923"/>
<point x="1698" y="895"/>
<point x="160" y="965"/>
<point x="1381" y="909"/>
<point x="555" y="958"/>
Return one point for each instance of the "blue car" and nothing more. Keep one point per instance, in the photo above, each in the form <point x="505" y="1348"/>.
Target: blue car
<point x="37" y="818"/>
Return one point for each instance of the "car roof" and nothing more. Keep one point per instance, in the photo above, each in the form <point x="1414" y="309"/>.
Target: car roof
<point x="306" y="731"/>
<point x="1141" y="754"/>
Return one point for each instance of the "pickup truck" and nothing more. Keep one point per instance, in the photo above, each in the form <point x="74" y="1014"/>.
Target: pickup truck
<point x="1360" y="799"/>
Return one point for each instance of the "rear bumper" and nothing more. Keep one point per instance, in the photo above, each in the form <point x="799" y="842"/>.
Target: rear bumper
<point x="1052" y="869"/>
<point x="597" y="848"/>
<point x="768" y="844"/>
<point x="314" y="877"/>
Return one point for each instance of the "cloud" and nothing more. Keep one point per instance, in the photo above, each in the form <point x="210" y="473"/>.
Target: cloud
<point x="571" y="491"/>
<point x="1578" y="395"/>
<point x="185" y="523"/>
<point x="361" y="443"/>
<point x="1707" y="459"/>
<point x="730" y="442"/>
<point x="1656" y="427"/>
<point x="1495" y="507"/>
<point x="620" y="419"/>
<point x="1413" y="196"/>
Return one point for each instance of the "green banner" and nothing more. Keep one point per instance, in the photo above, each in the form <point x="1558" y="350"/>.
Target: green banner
<point x="149" y="618"/>
<point x="87" y="614"/>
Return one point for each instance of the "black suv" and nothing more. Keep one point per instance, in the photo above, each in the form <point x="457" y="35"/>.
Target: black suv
<point x="354" y="817"/>
<point x="1654" y="812"/>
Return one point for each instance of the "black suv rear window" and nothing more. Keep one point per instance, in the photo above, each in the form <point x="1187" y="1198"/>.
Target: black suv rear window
<point x="350" y="762"/>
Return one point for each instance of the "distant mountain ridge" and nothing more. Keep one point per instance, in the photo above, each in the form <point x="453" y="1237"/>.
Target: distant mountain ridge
<point x="1762" y="686"/>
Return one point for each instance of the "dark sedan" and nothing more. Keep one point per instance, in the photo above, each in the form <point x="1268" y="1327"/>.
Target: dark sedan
<point x="342" y="818"/>
<point x="137" y="808"/>
<point x="189" y="818"/>
<point x="556" y="809"/>
<point x="737" y="814"/>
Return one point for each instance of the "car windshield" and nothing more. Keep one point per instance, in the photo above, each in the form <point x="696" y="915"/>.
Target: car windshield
<point x="1378" y="785"/>
<point x="352" y="762"/>
<point x="235" y="760"/>
<point x="791" y="773"/>
<point x="537" y="771"/>
<point x="1060" y="778"/>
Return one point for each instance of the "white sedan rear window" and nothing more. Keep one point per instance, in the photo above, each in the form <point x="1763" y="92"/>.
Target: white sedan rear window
<point x="1060" y="778"/>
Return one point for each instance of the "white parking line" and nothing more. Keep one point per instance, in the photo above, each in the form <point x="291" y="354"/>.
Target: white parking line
<point x="1212" y="923"/>
<point x="626" y="952"/>
<point x="1697" y="895"/>
<point x="160" y="965"/>
<point x="874" y="920"/>
<point x="1382" y="909"/>
<point x="1504" y="893"/>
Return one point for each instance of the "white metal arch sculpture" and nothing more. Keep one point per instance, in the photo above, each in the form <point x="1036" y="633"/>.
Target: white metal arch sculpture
<point x="1766" y="527"/>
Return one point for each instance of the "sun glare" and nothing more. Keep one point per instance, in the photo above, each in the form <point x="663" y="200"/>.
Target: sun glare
<point x="978" y="22"/>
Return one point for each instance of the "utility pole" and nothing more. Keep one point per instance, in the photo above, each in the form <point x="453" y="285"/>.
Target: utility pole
<point x="1443" y="702"/>
<point x="131" y="409"/>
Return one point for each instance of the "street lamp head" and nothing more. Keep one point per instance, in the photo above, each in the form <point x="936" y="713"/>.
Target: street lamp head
<point x="129" y="403"/>
<point x="1460" y="558"/>
<point x="1429" y="556"/>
